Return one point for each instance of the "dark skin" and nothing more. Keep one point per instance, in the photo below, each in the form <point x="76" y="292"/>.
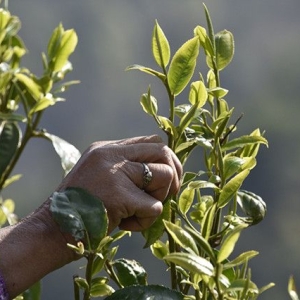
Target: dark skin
<point x="36" y="246"/>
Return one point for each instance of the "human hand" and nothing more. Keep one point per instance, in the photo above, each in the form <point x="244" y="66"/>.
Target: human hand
<point x="113" y="172"/>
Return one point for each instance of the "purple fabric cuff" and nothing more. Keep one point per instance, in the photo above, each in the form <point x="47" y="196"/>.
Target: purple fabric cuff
<point x="3" y="290"/>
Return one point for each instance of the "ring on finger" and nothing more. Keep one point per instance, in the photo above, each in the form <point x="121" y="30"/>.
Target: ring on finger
<point x="147" y="176"/>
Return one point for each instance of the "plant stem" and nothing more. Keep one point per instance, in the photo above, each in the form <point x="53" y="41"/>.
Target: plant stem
<point x="88" y="275"/>
<point x="29" y="133"/>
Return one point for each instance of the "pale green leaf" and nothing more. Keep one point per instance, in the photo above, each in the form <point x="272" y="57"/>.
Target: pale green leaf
<point x="292" y="289"/>
<point x="147" y="70"/>
<point x="243" y="141"/>
<point x="160" y="46"/>
<point x="229" y="242"/>
<point x="198" y="93"/>
<point x="231" y="187"/>
<point x="193" y="263"/>
<point x="66" y="48"/>
<point x="149" y="104"/>
<point x="69" y="154"/>
<point x="32" y="87"/>
<point x="182" y="237"/>
<point x="183" y="65"/>
<point x="241" y="259"/>
<point x="186" y="199"/>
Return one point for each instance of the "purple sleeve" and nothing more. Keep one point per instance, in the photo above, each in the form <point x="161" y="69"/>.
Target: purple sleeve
<point x="3" y="290"/>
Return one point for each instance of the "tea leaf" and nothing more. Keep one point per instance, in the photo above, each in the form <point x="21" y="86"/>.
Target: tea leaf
<point x="241" y="259"/>
<point x="231" y="187"/>
<point x="292" y="289"/>
<point x="243" y="141"/>
<point x="68" y="154"/>
<point x="149" y="104"/>
<point x="141" y="292"/>
<point x="208" y="221"/>
<point x="54" y="41"/>
<point x="229" y="242"/>
<point x="150" y="71"/>
<point x="10" y="135"/>
<point x="182" y="237"/>
<point x="239" y="285"/>
<point x="159" y="249"/>
<point x="192" y="263"/>
<point x="183" y="65"/>
<point x="100" y="288"/>
<point x="160" y="46"/>
<point x="204" y="40"/>
<point x="167" y="126"/>
<point x="224" y="48"/>
<point x="32" y="87"/>
<point x="186" y="200"/>
<point x="198" y="93"/>
<point x="66" y="48"/>
<point x="130" y="272"/>
<point x="252" y="205"/>
<point x="202" y="244"/>
<point x="81" y="214"/>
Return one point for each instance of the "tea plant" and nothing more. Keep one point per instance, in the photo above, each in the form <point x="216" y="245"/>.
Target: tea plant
<point x="24" y="97"/>
<point x="203" y="222"/>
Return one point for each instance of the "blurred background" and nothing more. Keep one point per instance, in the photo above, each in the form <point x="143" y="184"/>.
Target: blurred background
<point x="263" y="82"/>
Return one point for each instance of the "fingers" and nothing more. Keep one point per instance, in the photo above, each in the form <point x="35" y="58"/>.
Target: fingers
<point x="156" y="153"/>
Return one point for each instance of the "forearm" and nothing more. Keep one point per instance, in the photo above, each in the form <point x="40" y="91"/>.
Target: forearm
<point x="31" y="249"/>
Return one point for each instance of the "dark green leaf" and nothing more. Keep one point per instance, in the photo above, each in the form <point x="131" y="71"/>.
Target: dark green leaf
<point x="153" y="292"/>
<point x="130" y="272"/>
<point x="81" y="214"/>
<point x="183" y="65"/>
<point x="10" y="135"/>
<point x="252" y="205"/>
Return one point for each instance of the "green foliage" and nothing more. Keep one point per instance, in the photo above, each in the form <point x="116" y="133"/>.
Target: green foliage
<point x="24" y="97"/>
<point x="202" y="223"/>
